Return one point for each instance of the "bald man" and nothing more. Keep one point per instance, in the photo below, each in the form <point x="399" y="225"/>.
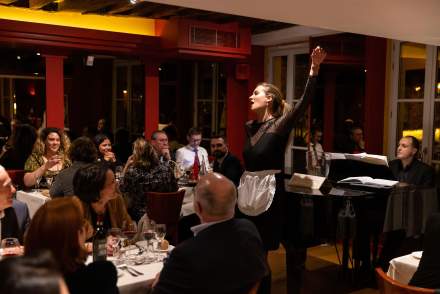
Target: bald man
<point x="225" y="255"/>
<point x="9" y="226"/>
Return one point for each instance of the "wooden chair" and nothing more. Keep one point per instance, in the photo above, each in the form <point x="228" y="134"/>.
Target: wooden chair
<point x="389" y="286"/>
<point x="164" y="208"/>
<point x="17" y="176"/>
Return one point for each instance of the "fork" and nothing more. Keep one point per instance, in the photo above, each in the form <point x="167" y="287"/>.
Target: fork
<point x="128" y="270"/>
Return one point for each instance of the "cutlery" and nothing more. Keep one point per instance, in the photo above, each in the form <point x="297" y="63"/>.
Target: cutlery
<point x="128" y="270"/>
<point x="136" y="271"/>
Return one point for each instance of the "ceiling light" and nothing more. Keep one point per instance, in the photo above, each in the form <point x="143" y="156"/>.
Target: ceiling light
<point x="18" y="57"/>
<point x="38" y="53"/>
<point x="418" y="88"/>
<point x="133" y="1"/>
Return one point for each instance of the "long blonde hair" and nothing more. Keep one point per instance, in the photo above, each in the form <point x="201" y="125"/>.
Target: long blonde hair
<point x="40" y="146"/>
<point x="278" y="106"/>
<point x="144" y="154"/>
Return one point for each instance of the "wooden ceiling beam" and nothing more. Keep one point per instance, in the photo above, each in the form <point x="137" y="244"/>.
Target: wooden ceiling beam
<point x="8" y="2"/>
<point x="85" y="6"/>
<point x="38" y="4"/>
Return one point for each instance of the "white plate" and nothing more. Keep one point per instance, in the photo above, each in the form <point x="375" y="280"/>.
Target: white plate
<point x="417" y="254"/>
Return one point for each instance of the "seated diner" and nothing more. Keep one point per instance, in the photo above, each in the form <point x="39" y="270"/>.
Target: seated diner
<point x="48" y="157"/>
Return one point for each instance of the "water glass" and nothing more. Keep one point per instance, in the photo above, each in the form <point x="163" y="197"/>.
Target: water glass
<point x="160" y="232"/>
<point x="10" y="247"/>
<point x="114" y="239"/>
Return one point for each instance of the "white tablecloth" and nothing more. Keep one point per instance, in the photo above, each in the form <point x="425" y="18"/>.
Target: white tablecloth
<point x="128" y="284"/>
<point x="34" y="200"/>
<point x="188" y="199"/>
<point x="140" y="284"/>
<point x="403" y="268"/>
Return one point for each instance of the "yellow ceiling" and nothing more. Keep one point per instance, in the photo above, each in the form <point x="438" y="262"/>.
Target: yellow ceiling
<point x="120" y="24"/>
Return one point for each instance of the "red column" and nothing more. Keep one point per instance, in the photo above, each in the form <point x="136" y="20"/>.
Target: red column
<point x="329" y="106"/>
<point x="237" y="110"/>
<point x="54" y="91"/>
<point x="151" y="98"/>
<point x="375" y="61"/>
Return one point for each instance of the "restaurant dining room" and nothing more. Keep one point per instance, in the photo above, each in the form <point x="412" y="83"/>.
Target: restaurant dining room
<point x="174" y="146"/>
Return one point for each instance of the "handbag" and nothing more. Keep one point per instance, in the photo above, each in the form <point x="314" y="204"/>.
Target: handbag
<point x="256" y="191"/>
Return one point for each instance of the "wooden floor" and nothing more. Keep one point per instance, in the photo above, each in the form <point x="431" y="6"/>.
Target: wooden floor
<point x="322" y="274"/>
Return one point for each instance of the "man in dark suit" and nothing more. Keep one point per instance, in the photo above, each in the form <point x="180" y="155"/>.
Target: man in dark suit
<point x="9" y="227"/>
<point x="225" y="255"/>
<point x="224" y="162"/>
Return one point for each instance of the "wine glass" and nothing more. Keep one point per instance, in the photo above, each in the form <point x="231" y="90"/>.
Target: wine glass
<point x="37" y="183"/>
<point x="49" y="181"/>
<point x="114" y="239"/>
<point x="148" y="231"/>
<point x="160" y="232"/>
<point x="118" y="173"/>
<point x="10" y="247"/>
<point x="129" y="230"/>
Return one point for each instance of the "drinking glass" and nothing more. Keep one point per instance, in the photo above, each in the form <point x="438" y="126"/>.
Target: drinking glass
<point x="118" y="173"/>
<point x="129" y="230"/>
<point x="148" y="231"/>
<point x="49" y="181"/>
<point x="160" y="232"/>
<point x="115" y="236"/>
<point x="37" y="183"/>
<point x="10" y="247"/>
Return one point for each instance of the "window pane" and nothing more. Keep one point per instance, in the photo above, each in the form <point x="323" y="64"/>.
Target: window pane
<point x="279" y="72"/>
<point x="301" y="74"/>
<point x="412" y="70"/>
<point x="409" y="122"/>
<point x="437" y="84"/>
<point x="436" y="135"/>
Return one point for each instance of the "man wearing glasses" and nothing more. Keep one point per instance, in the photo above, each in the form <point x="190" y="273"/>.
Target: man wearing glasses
<point x="193" y="157"/>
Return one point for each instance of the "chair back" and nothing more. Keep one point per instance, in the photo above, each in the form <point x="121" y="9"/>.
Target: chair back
<point x="164" y="208"/>
<point x="17" y="176"/>
<point x="389" y="286"/>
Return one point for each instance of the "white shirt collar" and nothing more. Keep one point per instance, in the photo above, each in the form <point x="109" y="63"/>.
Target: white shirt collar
<point x="197" y="229"/>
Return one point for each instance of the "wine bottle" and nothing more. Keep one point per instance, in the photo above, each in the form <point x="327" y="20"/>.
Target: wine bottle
<point x="99" y="241"/>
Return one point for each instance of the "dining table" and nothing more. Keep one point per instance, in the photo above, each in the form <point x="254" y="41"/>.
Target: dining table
<point x="402" y="268"/>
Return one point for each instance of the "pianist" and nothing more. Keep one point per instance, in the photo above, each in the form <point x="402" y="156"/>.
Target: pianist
<point x="407" y="168"/>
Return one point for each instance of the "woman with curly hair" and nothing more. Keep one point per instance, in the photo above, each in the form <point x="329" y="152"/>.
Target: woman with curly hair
<point x="144" y="172"/>
<point x="48" y="157"/>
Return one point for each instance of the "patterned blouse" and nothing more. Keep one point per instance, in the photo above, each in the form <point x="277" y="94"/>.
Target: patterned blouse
<point x="138" y="180"/>
<point x="34" y="162"/>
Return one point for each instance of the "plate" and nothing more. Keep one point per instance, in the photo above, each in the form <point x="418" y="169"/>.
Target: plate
<point x="417" y="254"/>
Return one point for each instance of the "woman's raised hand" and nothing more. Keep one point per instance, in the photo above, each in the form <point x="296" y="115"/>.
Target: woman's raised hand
<point x="317" y="57"/>
<point x="52" y="161"/>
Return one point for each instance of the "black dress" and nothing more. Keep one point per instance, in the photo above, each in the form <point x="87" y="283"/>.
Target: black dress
<point x="264" y="150"/>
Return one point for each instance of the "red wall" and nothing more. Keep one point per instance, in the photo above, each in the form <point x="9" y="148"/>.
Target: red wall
<point x="375" y="63"/>
<point x="238" y="92"/>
